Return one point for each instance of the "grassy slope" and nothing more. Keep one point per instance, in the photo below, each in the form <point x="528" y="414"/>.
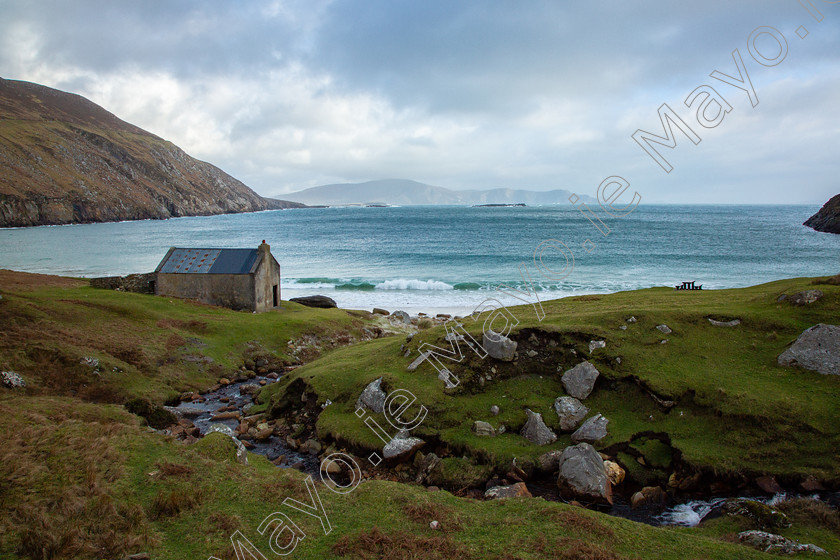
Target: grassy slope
<point x="85" y="480"/>
<point x="159" y="347"/>
<point x="741" y="412"/>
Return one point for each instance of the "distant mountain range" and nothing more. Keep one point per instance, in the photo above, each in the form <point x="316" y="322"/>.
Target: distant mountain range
<point x="64" y="159"/>
<point x="402" y="192"/>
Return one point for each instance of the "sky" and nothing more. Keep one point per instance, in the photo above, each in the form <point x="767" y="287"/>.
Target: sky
<point x="287" y="94"/>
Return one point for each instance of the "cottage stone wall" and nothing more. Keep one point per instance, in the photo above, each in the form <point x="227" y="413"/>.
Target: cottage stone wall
<point x="235" y="291"/>
<point x="266" y="277"/>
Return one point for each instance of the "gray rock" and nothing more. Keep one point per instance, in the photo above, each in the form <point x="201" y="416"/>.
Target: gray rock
<point x="90" y="362"/>
<point x="241" y="452"/>
<point x="548" y="462"/>
<point x="322" y="302"/>
<point x="499" y="347"/>
<point x="373" y="397"/>
<point x="249" y="389"/>
<point x="185" y="411"/>
<point x="594" y="429"/>
<point x="532" y="353"/>
<point x="582" y="474"/>
<point x="732" y="323"/>
<point x="570" y="411"/>
<point x="483" y="429"/>
<point x="580" y="380"/>
<point x="417" y="361"/>
<point x="494" y="410"/>
<point x="401" y="316"/>
<point x="535" y="429"/>
<point x="595" y="344"/>
<point x="428" y="463"/>
<point x="631" y="320"/>
<point x="402" y="447"/>
<point x="806" y="297"/>
<point x="664" y="329"/>
<point x="513" y="491"/>
<point x="817" y="349"/>
<point x="768" y="542"/>
<point x="13" y="380"/>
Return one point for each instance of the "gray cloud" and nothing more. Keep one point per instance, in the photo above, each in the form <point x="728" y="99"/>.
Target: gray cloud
<point x="289" y="94"/>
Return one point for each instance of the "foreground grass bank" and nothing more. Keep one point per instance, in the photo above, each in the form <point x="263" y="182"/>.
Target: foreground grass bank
<point x="80" y="477"/>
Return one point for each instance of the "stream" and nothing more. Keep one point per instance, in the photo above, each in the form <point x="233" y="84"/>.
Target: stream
<point x="229" y="398"/>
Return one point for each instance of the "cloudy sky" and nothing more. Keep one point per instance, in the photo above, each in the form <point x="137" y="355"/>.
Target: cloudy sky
<point x="291" y="94"/>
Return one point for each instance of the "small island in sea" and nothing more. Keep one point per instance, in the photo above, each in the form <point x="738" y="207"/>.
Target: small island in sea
<point x="511" y="205"/>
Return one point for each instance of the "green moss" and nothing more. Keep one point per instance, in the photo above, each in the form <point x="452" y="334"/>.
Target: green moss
<point x="656" y="453"/>
<point x="459" y="473"/>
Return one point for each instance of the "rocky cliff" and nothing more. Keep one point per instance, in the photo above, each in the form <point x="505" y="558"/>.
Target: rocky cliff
<point x="828" y="218"/>
<point x="64" y="159"/>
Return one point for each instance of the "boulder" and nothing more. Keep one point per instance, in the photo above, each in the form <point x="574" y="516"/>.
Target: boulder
<point x="614" y="472"/>
<point x="582" y="474"/>
<point x="380" y="311"/>
<point x="664" y="329"/>
<point x="535" y="429"/>
<point x="548" y="462"/>
<point x="322" y="302"/>
<point x="570" y="411"/>
<point x="401" y="448"/>
<point x="580" y="380"/>
<point x="769" y="484"/>
<point x="594" y="429"/>
<point x="764" y="515"/>
<point x="13" y="380"/>
<point x="249" y="389"/>
<point x="372" y="397"/>
<point x="499" y="347"/>
<point x="494" y="410"/>
<point x="513" y="491"/>
<point x="595" y="344"/>
<point x="804" y="298"/>
<point x="816" y="349"/>
<point x="768" y="542"/>
<point x="401" y="316"/>
<point x="651" y="496"/>
<point x="483" y="429"/>
<point x="310" y="446"/>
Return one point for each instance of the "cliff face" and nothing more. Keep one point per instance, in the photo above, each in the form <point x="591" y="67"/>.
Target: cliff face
<point x="828" y="218"/>
<point x="64" y="159"/>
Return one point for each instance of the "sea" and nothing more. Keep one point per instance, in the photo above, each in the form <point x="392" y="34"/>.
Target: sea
<point x="448" y="259"/>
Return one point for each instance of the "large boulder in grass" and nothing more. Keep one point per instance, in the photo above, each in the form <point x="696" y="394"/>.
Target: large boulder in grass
<point x="570" y="411"/>
<point x="582" y="474"/>
<point x="499" y="347"/>
<point x="817" y="349"/>
<point x="594" y="429"/>
<point x="372" y="397"/>
<point x="580" y="380"/>
<point x="402" y="448"/>
<point x="535" y="429"/>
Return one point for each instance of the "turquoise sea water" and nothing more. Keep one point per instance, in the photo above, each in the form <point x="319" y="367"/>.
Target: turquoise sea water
<point x="452" y="257"/>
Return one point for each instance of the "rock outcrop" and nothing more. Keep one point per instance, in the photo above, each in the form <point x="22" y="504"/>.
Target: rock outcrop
<point x="570" y="411"/>
<point x="827" y="220"/>
<point x="67" y="160"/>
<point x="372" y="397"/>
<point x="580" y="380"/>
<point x="594" y="429"/>
<point x="535" y="429"/>
<point x="582" y="474"/>
<point x="499" y="347"/>
<point x="817" y="349"/>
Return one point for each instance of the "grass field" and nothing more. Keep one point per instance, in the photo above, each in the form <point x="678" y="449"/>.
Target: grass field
<point x="80" y="477"/>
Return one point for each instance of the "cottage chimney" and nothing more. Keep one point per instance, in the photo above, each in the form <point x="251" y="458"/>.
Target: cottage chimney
<point x="264" y="248"/>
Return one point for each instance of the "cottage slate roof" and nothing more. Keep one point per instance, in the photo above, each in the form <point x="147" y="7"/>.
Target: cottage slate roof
<point x="208" y="261"/>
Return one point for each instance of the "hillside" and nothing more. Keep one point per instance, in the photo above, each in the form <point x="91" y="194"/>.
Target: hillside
<point x="827" y="219"/>
<point x="83" y="477"/>
<point x="67" y="160"/>
<point x="403" y="192"/>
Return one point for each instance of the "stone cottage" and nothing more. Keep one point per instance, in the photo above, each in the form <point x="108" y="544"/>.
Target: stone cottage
<point x="235" y="278"/>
